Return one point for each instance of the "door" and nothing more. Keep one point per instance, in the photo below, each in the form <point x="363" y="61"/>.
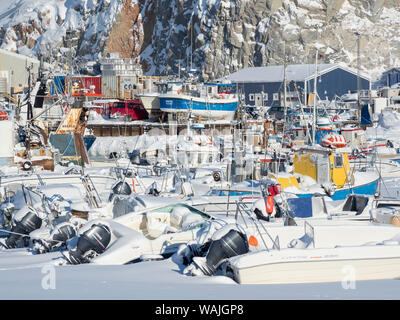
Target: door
<point x="323" y="169"/>
<point x="258" y="99"/>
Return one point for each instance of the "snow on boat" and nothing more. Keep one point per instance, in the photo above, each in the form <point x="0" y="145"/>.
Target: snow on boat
<point x="322" y="259"/>
<point x="301" y="253"/>
<point x="150" y="234"/>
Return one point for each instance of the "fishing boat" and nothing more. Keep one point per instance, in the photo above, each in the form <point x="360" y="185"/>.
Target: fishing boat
<point x="206" y="100"/>
<point x="329" y="169"/>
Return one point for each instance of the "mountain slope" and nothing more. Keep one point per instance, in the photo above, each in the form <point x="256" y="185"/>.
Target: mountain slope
<point x="216" y="37"/>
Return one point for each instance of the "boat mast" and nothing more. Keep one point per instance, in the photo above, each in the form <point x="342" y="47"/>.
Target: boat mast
<point x="315" y="99"/>
<point x="358" y="74"/>
<point x="284" y="85"/>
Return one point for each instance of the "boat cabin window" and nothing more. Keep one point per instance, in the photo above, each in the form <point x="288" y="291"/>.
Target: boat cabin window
<point x="225" y="89"/>
<point x="119" y="105"/>
<point x="338" y="160"/>
<point x="355" y="203"/>
<point x="133" y="106"/>
<point x="390" y="205"/>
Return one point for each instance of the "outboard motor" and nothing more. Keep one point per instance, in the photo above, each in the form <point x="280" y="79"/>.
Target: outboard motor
<point x="120" y="188"/>
<point x="91" y="242"/>
<point x="232" y="244"/>
<point x="153" y="190"/>
<point x="30" y="222"/>
<point x="58" y="237"/>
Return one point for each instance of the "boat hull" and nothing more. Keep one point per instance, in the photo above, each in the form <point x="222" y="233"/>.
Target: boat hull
<point x="341" y="194"/>
<point x="206" y="108"/>
<point x="317" y="265"/>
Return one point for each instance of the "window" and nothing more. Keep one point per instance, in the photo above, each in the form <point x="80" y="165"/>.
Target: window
<point x="133" y="106"/>
<point x="251" y="96"/>
<point x="338" y="160"/>
<point x="275" y="96"/>
<point x="119" y="105"/>
<point x="265" y="96"/>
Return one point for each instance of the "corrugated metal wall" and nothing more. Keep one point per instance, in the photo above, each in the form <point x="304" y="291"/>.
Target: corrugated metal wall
<point x="120" y="87"/>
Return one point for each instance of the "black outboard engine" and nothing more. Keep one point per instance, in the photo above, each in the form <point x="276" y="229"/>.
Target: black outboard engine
<point x="120" y="188"/>
<point x="26" y="225"/>
<point x="232" y="244"/>
<point x="59" y="237"/>
<point x="91" y="242"/>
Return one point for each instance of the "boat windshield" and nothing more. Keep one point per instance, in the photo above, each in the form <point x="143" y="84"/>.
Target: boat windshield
<point x="227" y="89"/>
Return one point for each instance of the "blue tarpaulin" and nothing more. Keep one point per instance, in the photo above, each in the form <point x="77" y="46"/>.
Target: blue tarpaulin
<point x="365" y="116"/>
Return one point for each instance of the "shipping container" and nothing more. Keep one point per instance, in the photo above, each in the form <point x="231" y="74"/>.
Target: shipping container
<point x="85" y="85"/>
<point x="80" y="85"/>
<point x="120" y="87"/>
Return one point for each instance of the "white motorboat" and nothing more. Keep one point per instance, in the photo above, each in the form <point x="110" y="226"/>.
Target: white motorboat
<point x="303" y="253"/>
<point x="149" y="234"/>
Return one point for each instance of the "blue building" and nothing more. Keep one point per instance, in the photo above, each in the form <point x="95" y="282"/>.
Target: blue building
<point x="263" y="86"/>
<point x="389" y="78"/>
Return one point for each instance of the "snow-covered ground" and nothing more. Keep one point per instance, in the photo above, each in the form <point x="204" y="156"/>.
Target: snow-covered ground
<point x="163" y="280"/>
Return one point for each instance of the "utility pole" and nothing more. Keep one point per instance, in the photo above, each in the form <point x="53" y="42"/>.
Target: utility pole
<point x="284" y="84"/>
<point x="29" y="114"/>
<point x="315" y="98"/>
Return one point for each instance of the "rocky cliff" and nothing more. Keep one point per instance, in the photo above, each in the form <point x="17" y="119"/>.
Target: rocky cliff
<point x="214" y="37"/>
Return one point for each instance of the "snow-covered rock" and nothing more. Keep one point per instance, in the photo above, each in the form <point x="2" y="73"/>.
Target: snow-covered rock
<point x="214" y="37"/>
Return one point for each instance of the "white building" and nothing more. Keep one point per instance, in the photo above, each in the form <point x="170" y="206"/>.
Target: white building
<point x="13" y="72"/>
<point x="114" y="65"/>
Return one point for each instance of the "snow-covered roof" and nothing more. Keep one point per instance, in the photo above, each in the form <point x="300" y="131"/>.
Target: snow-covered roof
<point x="296" y="72"/>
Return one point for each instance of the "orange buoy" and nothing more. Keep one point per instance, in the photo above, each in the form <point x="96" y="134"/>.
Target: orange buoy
<point x="270" y="204"/>
<point x="253" y="241"/>
<point x="3" y="115"/>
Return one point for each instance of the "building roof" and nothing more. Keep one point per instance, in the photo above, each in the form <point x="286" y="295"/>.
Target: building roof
<point x="295" y="72"/>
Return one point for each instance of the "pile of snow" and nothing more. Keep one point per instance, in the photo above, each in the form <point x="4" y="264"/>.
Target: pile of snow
<point x="389" y="119"/>
<point x="388" y="126"/>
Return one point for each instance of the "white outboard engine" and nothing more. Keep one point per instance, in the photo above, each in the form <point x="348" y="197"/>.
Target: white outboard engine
<point x="30" y="222"/>
<point x="232" y="244"/>
<point x="120" y="188"/>
<point x="92" y="242"/>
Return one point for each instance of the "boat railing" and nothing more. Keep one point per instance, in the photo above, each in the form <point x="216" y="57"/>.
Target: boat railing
<point x="243" y="208"/>
<point x="93" y="195"/>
